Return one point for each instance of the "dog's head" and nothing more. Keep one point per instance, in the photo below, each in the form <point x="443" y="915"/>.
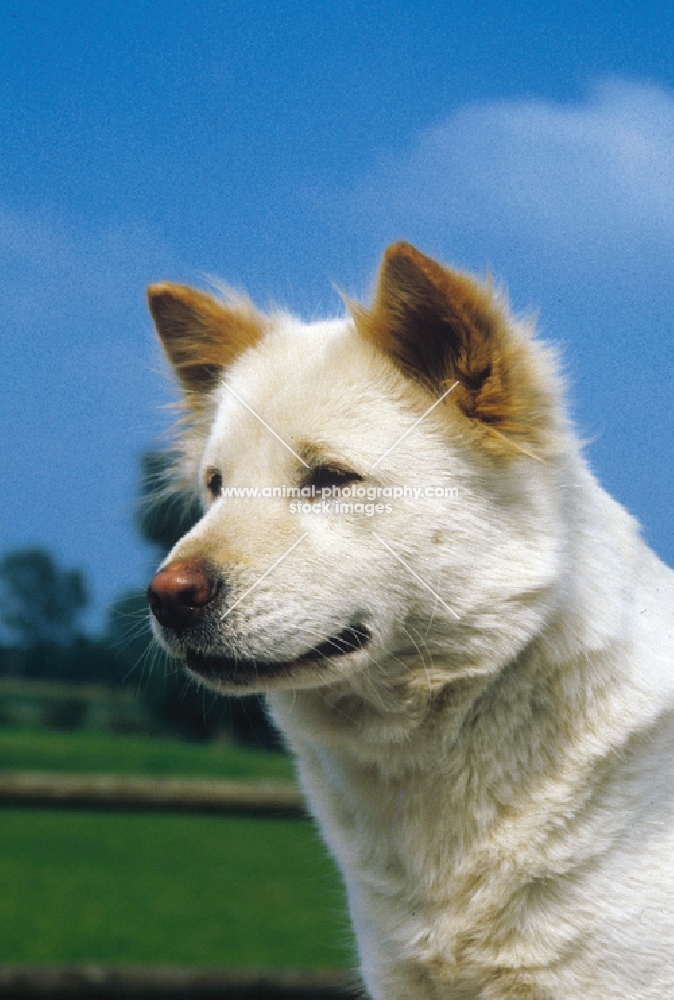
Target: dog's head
<point x="378" y="491"/>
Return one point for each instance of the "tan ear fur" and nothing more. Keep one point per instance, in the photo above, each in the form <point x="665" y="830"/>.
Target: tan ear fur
<point x="200" y="335"/>
<point x="440" y="327"/>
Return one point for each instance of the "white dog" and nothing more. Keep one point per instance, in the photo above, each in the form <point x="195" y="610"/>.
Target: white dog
<point x="462" y="637"/>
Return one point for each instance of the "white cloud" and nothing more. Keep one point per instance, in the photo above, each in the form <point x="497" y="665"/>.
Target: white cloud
<point x="66" y="271"/>
<point x="560" y="185"/>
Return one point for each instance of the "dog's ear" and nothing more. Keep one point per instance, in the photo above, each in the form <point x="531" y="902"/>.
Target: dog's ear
<point x="440" y="327"/>
<point x="200" y="335"/>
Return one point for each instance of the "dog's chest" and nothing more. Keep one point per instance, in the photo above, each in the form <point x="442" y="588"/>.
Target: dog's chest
<point x="435" y="892"/>
<point x="409" y="852"/>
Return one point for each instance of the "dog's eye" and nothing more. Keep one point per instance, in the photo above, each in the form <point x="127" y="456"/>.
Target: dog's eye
<point x="214" y="482"/>
<point x="328" y="476"/>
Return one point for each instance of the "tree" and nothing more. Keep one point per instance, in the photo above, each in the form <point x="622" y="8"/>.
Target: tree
<point x="164" y="513"/>
<point x="40" y="604"/>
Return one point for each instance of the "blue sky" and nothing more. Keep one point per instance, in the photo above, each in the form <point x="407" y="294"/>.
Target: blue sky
<point x="280" y="146"/>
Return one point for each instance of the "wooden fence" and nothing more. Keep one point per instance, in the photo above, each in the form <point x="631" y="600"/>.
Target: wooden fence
<point x="138" y="794"/>
<point x="133" y="983"/>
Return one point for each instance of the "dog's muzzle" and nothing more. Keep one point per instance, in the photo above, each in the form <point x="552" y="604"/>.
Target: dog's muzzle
<point x="180" y="595"/>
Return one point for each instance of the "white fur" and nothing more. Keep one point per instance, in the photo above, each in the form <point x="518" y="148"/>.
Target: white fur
<point x="493" y="772"/>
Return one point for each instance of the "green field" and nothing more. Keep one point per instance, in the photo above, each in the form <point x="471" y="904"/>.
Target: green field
<point x="85" y="751"/>
<point x="162" y="889"/>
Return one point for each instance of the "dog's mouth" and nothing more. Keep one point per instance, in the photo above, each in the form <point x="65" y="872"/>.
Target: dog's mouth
<point x="235" y="670"/>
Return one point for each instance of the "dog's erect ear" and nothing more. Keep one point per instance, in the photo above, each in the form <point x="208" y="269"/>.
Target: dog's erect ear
<point x="441" y="327"/>
<point x="200" y="335"/>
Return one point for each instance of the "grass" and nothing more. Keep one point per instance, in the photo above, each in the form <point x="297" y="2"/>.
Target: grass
<point x="162" y="889"/>
<point x="77" y="887"/>
<point x="84" y="751"/>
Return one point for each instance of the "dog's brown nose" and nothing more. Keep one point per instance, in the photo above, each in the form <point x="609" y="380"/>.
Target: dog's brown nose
<point x="179" y="592"/>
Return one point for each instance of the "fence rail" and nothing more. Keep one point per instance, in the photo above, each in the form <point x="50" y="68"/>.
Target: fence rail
<point x="138" y="983"/>
<point x="140" y="794"/>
